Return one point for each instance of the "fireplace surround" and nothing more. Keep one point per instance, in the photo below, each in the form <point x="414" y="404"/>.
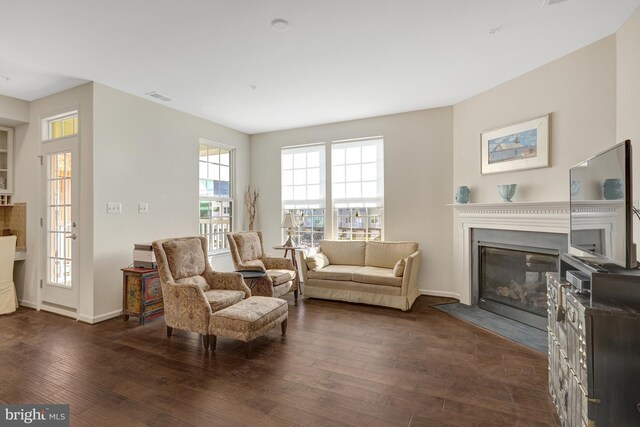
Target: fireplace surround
<point x="545" y="217"/>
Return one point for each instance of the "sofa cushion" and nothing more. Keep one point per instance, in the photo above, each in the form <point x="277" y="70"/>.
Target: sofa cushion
<point x="249" y="245"/>
<point x="185" y="257"/>
<point x="344" y="252"/>
<point x="317" y="261"/>
<point x="278" y="277"/>
<point x="398" y="269"/>
<point x="386" y="254"/>
<point x="376" y="276"/>
<point x="333" y="272"/>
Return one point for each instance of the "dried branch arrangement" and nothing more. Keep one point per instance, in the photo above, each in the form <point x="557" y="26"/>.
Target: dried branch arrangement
<point x="250" y="203"/>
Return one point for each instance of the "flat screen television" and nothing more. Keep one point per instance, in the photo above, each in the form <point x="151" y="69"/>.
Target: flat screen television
<point x="601" y="208"/>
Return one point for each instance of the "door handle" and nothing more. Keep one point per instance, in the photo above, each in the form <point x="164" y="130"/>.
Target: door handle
<point x="71" y="236"/>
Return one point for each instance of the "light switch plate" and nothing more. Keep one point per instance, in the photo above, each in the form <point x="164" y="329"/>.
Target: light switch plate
<point x="143" y="207"/>
<point x="114" y="208"/>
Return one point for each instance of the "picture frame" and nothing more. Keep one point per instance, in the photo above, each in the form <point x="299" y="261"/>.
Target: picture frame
<point x="516" y="147"/>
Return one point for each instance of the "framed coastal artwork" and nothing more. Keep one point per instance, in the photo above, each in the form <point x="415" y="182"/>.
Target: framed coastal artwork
<point x="520" y="146"/>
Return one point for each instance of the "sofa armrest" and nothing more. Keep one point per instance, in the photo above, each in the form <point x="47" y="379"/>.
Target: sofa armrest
<point x="411" y="270"/>
<point x="186" y="307"/>
<point x="227" y="281"/>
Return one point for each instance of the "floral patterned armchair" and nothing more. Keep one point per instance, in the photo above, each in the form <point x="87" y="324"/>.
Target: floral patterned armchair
<point x="191" y="290"/>
<point x="247" y="253"/>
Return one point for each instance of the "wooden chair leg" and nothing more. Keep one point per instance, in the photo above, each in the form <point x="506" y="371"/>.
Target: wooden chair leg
<point x="169" y="331"/>
<point x="205" y="341"/>
<point x="283" y="326"/>
<point x="213" y="340"/>
<point x="295" y="295"/>
<point x="248" y="349"/>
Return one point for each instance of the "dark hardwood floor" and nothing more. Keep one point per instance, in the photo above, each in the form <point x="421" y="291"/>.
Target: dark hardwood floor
<point x="339" y="364"/>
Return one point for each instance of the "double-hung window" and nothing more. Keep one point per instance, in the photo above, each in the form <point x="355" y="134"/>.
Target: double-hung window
<point x="216" y="193"/>
<point x="303" y="191"/>
<point x="357" y="177"/>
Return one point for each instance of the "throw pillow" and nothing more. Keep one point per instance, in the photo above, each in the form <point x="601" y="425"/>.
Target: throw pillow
<point x="398" y="269"/>
<point x="317" y="261"/>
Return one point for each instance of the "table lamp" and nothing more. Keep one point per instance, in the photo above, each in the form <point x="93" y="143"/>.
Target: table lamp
<point x="289" y="223"/>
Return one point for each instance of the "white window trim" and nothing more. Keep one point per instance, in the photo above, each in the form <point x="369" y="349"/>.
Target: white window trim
<point x="232" y="190"/>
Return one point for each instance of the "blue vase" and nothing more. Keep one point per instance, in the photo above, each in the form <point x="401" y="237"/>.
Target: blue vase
<point x="506" y="191"/>
<point x="462" y="195"/>
<point x="613" y="189"/>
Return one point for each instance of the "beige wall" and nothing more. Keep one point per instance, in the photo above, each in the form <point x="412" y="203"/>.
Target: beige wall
<point x="628" y="96"/>
<point x="417" y="175"/>
<point x="579" y="90"/>
<point x="13" y="111"/>
<point x="147" y="152"/>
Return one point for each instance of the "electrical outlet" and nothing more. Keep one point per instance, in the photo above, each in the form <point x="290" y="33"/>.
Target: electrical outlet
<point x="114" y="208"/>
<point x="143" y="207"/>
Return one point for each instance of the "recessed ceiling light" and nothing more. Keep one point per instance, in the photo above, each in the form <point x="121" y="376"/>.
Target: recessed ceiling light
<point x="7" y="78"/>
<point x="546" y="3"/>
<point x="156" y="95"/>
<point x="495" y="30"/>
<point x="280" y="24"/>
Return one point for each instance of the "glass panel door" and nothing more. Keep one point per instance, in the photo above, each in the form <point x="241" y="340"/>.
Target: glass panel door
<point x="60" y="225"/>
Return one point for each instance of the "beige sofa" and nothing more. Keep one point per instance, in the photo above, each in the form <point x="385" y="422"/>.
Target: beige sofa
<point x="363" y="272"/>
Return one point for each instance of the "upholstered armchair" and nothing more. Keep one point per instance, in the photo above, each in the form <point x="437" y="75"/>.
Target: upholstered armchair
<point x="191" y="290"/>
<point x="247" y="253"/>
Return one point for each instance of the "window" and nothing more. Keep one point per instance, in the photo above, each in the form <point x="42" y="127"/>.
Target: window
<point x="216" y="194"/>
<point x="303" y="189"/>
<point x="60" y="126"/>
<point x="357" y="177"/>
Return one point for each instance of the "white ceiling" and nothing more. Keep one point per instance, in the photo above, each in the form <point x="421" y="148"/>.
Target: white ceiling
<point x="339" y="60"/>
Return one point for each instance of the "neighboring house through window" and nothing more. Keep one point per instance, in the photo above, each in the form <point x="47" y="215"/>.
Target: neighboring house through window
<point x="216" y="193"/>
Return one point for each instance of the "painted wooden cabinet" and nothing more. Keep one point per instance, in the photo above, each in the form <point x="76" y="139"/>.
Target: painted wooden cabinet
<point x="6" y="161"/>
<point x="142" y="294"/>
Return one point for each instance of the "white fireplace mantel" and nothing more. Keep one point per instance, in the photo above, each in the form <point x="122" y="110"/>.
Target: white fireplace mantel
<point x="546" y="217"/>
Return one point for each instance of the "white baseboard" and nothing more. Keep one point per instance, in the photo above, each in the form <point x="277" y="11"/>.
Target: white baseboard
<point x="440" y="294"/>
<point x="101" y="318"/>
<point x="28" y="304"/>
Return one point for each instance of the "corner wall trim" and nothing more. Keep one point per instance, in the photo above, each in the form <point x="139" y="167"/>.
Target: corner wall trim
<point x="101" y="318"/>
<point x="445" y="294"/>
<point x="28" y="304"/>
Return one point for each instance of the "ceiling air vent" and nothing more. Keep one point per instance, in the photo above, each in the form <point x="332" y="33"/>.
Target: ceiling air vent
<point x="156" y="95"/>
<point x="546" y="3"/>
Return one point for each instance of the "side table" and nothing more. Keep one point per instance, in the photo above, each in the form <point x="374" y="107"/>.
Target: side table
<point x="141" y="294"/>
<point x="294" y="260"/>
<point x="251" y="276"/>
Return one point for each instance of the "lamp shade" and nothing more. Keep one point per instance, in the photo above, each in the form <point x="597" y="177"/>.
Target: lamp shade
<point x="289" y="221"/>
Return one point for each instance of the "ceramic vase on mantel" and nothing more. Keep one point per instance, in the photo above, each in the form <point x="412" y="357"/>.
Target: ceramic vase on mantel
<point x="463" y="194"/>
<point x="613" y="189"/>
<point x="506" y="191"/>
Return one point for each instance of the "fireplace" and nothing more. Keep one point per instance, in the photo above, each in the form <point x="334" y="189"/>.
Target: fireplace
<point x="509" y="272"/>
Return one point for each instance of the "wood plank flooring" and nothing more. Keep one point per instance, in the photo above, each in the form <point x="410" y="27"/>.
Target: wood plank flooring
<point x="340" y="364"/>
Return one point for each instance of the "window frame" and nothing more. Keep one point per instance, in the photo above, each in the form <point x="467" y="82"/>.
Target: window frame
<point x="298" y="207"/>
<point x="47" y="121"/>
<point x="218" y="199"/>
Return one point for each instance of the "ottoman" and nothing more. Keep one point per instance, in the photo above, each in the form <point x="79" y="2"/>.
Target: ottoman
<point x="248" y="319"/>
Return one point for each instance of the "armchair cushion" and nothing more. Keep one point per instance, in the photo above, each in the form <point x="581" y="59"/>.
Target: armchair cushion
<point x="195" y="280"/>
<point x="249" y="245"/>
<point x="185" y="257"/>
<point x="220" y="299"/>
<point x="278" y="277"/>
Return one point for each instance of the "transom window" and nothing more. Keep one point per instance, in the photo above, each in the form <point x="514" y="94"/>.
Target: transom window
<point x="60" y="126"/>
<point x="216" y="194"/>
